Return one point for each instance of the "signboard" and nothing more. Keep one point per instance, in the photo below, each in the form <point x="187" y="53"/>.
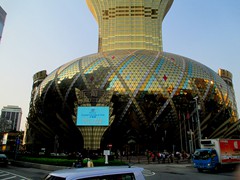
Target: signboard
<point x="230" y="150"/>
<point x="106" y="152"/>
<point x="93" y="116"/>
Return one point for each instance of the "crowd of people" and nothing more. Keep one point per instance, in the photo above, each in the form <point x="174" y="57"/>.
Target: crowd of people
<point x="79" y="162"/>
<point x="167" y="157"/>
<point x="152" y="156"/>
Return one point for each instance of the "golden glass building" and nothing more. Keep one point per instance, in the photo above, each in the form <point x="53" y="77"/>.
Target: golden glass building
<point x="130" y="24"/>
<point x="151" y="94"/>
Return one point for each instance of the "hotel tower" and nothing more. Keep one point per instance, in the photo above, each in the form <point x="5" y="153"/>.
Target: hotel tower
<point x="154" y="98"/>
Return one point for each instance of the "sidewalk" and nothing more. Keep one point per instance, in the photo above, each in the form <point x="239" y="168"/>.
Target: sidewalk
<point x="142" y="160"/>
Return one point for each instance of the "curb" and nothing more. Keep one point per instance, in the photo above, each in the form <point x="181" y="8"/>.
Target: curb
<point x="53" y="167"/>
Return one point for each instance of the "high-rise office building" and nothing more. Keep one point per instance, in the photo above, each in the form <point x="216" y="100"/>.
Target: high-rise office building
<point x="11" y="118"/>
<point x="2" y="21"/>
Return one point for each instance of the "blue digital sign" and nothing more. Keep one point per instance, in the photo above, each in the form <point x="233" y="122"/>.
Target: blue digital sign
<point x="93" y="116"/>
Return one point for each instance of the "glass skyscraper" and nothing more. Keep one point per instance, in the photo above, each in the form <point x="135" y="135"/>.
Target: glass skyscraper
<point x="11" y="118"/>
<point x="2" y="20"/>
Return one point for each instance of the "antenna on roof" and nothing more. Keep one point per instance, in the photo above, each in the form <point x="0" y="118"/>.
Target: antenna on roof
<point x="130" y="164"/>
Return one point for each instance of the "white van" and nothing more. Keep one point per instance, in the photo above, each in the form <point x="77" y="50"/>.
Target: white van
<point x="98" y="173"/>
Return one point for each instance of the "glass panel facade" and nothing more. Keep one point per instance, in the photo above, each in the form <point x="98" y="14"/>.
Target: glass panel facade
<point x="2" y="20"/>
<point x="140" y="86"/>
<point x="149" y="92"/>
<point x="129" y="25"/>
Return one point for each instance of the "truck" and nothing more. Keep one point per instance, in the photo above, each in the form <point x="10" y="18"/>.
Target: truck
<point x="215" y="154"/>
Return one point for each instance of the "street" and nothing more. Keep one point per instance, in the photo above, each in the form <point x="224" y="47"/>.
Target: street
<point x="22" y="173"/>
<point x="151" y="172"/>
<point x="183" y="172"/>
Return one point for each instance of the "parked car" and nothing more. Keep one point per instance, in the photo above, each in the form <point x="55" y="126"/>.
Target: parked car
<point x="98" y="173"/>
<point x="3" y="160"/>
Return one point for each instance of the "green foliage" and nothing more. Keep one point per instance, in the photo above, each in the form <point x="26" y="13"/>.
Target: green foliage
<point x="68" y="162"/>
<point x="49" y="161"/>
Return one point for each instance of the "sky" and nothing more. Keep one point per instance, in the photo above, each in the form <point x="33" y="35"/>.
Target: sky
<point x="43" y="35"/>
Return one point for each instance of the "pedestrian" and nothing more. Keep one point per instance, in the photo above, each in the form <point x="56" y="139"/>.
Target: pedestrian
<point x="153" y="157"/>
<point x="163" y="157"/>
<point x="148" y="154"/>
<point x="171" y="155"/>
<point x="178" y="156"/>
<point x="77" y="164"/>
<point x="89" y="163"/>
<point x="159" y="157"/>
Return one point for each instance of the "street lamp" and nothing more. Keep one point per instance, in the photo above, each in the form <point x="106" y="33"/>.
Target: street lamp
<point x="191" y="141"/>
<point x="198" y="121"/>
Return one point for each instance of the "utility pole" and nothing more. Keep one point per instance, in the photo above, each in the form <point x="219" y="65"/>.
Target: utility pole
<point x="198" y="121"/>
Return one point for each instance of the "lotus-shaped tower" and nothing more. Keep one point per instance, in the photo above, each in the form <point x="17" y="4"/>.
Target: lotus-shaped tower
<point x="150" y="93"/>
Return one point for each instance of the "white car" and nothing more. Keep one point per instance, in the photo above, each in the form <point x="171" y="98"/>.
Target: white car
<point x="98" y="173"/>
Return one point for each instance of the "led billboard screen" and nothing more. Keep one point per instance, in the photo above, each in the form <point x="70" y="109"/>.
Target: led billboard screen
<point x="93" y="116"/>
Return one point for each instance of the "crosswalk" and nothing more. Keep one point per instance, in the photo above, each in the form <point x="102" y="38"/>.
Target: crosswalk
<point x="4" y="175"/>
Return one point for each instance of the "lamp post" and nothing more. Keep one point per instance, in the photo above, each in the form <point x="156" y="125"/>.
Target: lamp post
<point x="198" y="121"/>
<point x="165" y="138"/>
<point x="190" y="132"/>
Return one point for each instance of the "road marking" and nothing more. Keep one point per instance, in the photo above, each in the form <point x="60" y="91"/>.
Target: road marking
<point x="4" y="174"/>
<point x="13" y="175"/>
<point x="147" y="172"/>
<point x="9" y="178"/>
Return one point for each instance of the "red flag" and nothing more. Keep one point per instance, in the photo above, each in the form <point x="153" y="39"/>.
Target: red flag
<point x="165" y="77"/>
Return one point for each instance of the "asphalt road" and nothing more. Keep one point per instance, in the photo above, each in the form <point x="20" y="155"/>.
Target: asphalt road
<point x="153" y="171"/>
<point x="184" y="172"/>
